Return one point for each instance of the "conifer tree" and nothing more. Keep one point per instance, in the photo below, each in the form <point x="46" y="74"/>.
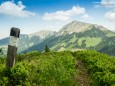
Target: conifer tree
<point x="47" y="49"/>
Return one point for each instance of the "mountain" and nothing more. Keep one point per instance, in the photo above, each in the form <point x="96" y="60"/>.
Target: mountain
<point x="27" y="40"/>
<point x="74" y="36"/>
<point x="107" y="45"/>
<point x="43" y="34"/>
<point x="79" y="35"/>
<point x="33" y="39"/>
<point x="76" y="26"/>
<point x="113" y="30"/>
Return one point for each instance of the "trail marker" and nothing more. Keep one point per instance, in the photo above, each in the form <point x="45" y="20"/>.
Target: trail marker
<point x="12" y="46"/>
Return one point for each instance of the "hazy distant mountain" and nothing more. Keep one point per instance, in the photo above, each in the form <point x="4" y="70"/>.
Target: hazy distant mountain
<point x="27" y="40"/>
<point x="43" y="33"/>
<point x="78" y="35"/>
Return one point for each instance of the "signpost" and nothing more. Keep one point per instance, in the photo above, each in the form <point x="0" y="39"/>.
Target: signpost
<point x="12" y="46"/>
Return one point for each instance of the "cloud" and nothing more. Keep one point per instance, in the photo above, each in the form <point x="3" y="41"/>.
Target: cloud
<point x="86" y="16"/>
<point x="110" y="15"/>
<point x="65" y="15"/>
<point x="11" y="9"/>
<point x="105" y="3"/>
<point x="108" y="3"/>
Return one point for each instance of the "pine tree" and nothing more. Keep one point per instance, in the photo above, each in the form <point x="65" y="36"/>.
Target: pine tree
<point x="47" y="49"/>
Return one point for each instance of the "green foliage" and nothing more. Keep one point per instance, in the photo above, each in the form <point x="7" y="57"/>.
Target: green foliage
<point x="28" y="56"/>
<point x="3" y="78"/>
<point x="1" y="52"/>
<point x="83" y="44"/>
<point x="57" y="69"/>
<point x="2" y="60"/>
<point x="43" y="69"/>
<point x="47" y="49"/>
<point x="89" y="41"/>
<point x="14" y="76"/>
<point x="52" y="68"/>
<point x="101" y="67"/>
<point x="18" y="75"/>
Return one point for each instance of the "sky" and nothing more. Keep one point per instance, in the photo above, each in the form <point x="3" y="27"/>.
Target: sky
<point x="34" y="15"/>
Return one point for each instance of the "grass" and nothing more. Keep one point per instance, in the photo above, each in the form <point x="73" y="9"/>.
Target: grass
<point x="89" y="41"/>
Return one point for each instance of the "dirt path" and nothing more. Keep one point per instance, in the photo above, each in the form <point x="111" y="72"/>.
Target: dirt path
<point x="82" y="74"/>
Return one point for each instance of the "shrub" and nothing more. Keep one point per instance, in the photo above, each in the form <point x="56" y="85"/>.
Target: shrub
<point x="15" y="76"/>
<point x="100" y="66"/>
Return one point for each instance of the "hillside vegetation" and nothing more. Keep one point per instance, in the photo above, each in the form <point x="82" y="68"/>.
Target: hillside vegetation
<point x="100" y="67"/>
<point x="43" y="69"/>
<point x="59" y="69"/>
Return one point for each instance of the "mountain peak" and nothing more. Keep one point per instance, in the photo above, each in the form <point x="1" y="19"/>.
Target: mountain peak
<point x="42" y="33"/>
<point x="78" y="26"/>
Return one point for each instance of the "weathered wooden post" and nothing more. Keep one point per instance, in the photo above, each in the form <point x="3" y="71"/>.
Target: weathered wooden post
<point x="12" y="46"/>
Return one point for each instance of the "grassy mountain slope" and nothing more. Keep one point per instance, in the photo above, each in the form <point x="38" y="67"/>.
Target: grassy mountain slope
<point x="107" y="45"/>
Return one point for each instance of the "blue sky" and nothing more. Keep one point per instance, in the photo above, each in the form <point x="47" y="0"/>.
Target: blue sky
<point x="35" y="15"/>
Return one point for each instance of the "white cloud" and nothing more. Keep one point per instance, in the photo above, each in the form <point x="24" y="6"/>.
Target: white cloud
<point x="10" y="8"/>
<point x="108" y="3"/>
<point x="86" y="16"/>
<point x="105" y="3"/>
<point x="65" y="15"/>
<point x="110" y="15"/>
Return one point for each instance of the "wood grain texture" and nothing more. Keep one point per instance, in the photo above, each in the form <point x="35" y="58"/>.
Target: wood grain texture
<point x="11" y="54"/>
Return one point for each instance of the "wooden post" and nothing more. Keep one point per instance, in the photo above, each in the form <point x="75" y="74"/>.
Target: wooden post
<point x="12" y="46"/>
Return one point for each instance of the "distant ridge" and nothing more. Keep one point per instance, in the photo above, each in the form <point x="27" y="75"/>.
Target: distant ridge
<point x="43" y="33"/>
